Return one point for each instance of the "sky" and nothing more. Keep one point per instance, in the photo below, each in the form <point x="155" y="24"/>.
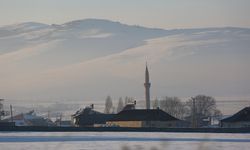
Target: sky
<point x="166" y="14"/>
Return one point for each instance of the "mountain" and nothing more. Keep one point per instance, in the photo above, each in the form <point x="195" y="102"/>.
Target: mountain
<point x="90" y="59"/>
<point x="86" y="36"/>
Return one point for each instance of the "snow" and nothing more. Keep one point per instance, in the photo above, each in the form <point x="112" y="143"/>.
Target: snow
<point x="123" y="141"/>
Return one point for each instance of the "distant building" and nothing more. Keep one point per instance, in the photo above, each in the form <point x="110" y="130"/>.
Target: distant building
<point x="145" y="118"/>
<point x="238" y="120"/>
<point x="6" y="124"/>
<point x="30" y="119"/>
<point x="89" y="117"/>
<point x="200" y="121"/>
<point x="129" y="106"/>
<point x="63" y="123"/>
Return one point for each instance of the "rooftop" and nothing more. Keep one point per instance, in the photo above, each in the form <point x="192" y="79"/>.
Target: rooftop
<point x="143" y="115"/>
<point x="242" y="115"/>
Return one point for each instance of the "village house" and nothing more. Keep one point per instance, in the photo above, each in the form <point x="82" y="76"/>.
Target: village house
<point x="29" y="119"/>
<point x="239" y="120"/>
<point x="138" y="118"/>
<point x="89" y="117"/>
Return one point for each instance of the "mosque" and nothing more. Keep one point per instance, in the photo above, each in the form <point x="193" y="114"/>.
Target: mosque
<point x="129" y="116"/>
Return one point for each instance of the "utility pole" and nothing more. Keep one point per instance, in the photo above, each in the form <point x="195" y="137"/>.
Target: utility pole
<point x="48" y="117"/>
<point x="194" y="119"/>
<point x="11" y="113"/>
<point x="1" y="109"/>
<point x="60" y="120"/>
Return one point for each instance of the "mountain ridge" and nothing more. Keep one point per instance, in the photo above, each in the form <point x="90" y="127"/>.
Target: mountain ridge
<point x="32" y="33"/>
<point x="82" y="60"/>
<point x="117" y="22"/>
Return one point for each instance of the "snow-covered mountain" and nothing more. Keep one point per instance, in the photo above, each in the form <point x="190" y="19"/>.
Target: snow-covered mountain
<point x="86" y="37"/>
<point x="90" y="59"/>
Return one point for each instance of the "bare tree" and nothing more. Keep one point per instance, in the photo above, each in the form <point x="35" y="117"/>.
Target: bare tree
<point x="108" y="105"/>
<point x="201" y="107"/>
<point x="217" y="113"/>
<point x="173" y="106"/>
<point x="120" y="105"/>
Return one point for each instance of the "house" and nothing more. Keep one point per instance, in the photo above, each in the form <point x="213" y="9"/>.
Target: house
<point x="6" y="124"/>
<point x="129" y="106"/>
<point x="63" y="123"/>
<point x="238" y="120"/>
<point x="145" y="118"/>
<point x="200" y="122"/>
<point x="30" y="119"/>
<point x="89" y="117"/>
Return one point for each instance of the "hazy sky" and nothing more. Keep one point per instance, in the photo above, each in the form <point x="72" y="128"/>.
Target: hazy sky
<point x="90" y="62"/>
<point x="152" y="13"/>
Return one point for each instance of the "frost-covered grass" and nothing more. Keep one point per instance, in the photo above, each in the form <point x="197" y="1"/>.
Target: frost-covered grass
<point x="122" y="141"/>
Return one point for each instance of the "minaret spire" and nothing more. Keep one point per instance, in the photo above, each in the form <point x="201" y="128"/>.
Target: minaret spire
<point x="147" y="85"/>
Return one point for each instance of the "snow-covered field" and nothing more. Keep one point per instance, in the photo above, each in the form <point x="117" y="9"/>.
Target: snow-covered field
<point x="122" y="141"/>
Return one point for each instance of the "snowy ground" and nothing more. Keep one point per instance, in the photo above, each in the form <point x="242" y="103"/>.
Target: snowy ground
<point x="121" y="141"/>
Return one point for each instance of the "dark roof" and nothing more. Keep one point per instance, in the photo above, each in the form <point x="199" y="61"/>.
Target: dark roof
<point x="143" y="115"/>
<point x="242" y="115"/>
<point x="93" y="119"/>
<point x="88" y="116"/>
<point x="129" y="107"/>
<point x="86" y="111"/>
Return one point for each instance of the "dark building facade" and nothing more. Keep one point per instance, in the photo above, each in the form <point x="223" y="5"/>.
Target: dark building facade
<point x="29" y="119"/>
<point x="238" y="120"/>
<point x="90" y="117"/>
<point x="138" y="118"/>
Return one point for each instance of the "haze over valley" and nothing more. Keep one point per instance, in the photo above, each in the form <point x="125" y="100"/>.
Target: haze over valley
<point x="86" y="60"/>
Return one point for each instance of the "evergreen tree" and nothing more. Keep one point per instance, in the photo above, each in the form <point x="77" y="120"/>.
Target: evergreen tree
<point x="108" y="105"/>
<point x="120" y="105"/>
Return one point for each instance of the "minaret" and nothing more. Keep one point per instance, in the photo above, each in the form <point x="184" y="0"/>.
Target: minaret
<point x="147" y="85"/>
